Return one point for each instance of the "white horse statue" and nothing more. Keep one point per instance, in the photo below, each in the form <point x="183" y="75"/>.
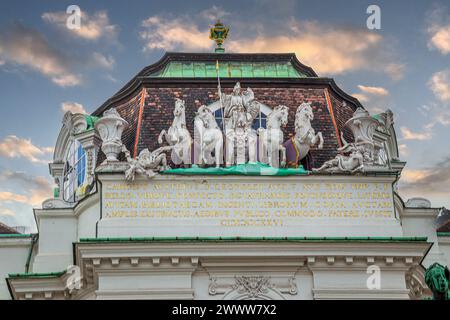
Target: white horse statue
<point x="305" y="136"/>
<point x="207" y="138"/>
<point x="178" y="136"/>
<point x="271" y="139"/>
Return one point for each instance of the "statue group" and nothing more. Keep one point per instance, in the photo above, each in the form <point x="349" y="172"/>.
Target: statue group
<point x="236" y="142"/>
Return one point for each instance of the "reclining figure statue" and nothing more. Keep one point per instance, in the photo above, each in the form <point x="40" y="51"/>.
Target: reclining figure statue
<point x="146" y="163"/>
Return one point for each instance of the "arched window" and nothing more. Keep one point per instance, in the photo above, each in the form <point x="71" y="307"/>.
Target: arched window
<point x="265" y="110"/>
<point x="74" y="171"/>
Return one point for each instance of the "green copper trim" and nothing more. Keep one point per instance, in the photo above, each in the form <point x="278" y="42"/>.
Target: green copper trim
<point x="258" y="239"/>
<point x="91" y="120"/>
<point x="443" y="234"/>
<point x="228" y="69"/>
<point x="36" y="275"/>
<point x="247" y="169"/>
<point x="15" y="235"/>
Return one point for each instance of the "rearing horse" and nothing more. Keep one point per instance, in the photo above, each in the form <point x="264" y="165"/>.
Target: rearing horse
<point x="305" y="136"/>
<point x="178" y="135"/>
<point x="208" y="138"/>
<point x="271" y="139"/>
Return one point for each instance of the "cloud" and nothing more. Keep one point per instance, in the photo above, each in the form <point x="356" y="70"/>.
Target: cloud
<point x="378" y="91"/>
<point x="27" y="47"/>
<point x="403" y="150"/>
<point x="106" y="62"/>
<point x="15" y="147"/>
<point x="440" y="39"/>
<point x="432" y="181"/>
<point x="410" y="135"/>
<point x="37" y="188"/>
<point x="73" y="107"/>
<point x="6" y="212"/>
<point x="9" y="196"/>
<point x="93" y="27"/>
<point x="440" y="85"/>
<point x="361" y="97"/>
<point x="421" y="136"/>
<point x="438" y="29"/>
<point x="395" y="70"/>
<point x="328" y="49"/>
<point x="214" y="13"/>
<point x="374" y="98"/>
<point x="322" y="46"/>
<point x="173" y="33"/>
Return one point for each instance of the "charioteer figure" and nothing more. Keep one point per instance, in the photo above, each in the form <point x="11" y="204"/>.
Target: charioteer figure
<point x="240" y="109"/>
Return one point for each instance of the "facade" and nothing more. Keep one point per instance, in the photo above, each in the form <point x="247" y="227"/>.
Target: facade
<point x="226" y="176"/>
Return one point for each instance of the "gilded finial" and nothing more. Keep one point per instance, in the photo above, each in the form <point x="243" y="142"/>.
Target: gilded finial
<point x="218" y="33"/>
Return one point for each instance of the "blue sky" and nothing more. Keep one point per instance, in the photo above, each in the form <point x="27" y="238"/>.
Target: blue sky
<point x="45" y="68"/>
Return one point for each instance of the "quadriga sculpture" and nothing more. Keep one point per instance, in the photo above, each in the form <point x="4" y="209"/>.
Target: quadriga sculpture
<point x="207" y="138"/>
<point x="178" y="136"/>
<point x="271" y="139"/>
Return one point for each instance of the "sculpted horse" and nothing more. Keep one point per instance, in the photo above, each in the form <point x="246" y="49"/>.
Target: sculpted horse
<point x="207" y="138"/>
<point x="271" y="139"/>
<point x="305" y="136"/>
<point x="178" y="136"/>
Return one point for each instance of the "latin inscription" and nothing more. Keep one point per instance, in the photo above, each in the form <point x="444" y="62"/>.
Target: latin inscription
<point x="232" y="204"/>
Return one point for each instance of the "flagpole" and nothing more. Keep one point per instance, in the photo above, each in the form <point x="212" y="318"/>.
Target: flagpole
<point x="220" y="95"/>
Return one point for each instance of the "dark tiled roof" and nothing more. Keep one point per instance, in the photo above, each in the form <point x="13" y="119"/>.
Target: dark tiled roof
<point x="152" y="74"/>
<point x="4" y="229"/>
<point x="147" y="101"/>
<point x="443" y="221"/>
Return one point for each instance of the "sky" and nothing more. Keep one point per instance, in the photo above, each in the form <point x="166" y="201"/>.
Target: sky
<point x="47" y="69"/>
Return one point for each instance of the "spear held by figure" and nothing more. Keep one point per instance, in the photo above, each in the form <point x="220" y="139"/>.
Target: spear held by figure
<point x="220" y="95"/>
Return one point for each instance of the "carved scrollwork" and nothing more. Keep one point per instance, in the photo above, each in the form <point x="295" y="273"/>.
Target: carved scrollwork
<point x="253" y="287"/>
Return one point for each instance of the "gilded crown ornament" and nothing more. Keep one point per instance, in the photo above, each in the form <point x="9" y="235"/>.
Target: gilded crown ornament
<point x="218" y="33"/>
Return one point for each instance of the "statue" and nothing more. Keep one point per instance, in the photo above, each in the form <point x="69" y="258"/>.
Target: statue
<point x="207" y="138"/>
<point x="271" y="139"/>
<point x="341" y="163"/>
<point x="437" y="278"/>
<point x="305" y="136"/>
<point x="240" y="109"/>
<point x="178" y="136"/>
<point x="110" y="128"/>
<point x="361" y="152"/>
<point x="146" y="163"/>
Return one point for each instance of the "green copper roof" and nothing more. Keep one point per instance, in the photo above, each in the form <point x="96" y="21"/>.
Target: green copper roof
<point x="237" y="239"/>
<point x="228" y="69"/>
<point x="247" y="169"/>
<point x="37" y="275"/>
<point x="14" y="235"/>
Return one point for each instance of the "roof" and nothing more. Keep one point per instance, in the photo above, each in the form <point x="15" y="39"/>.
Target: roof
<point x="443" y="221"/>
<point x="4" y="229"/>
<point x="188" y="67"/>
<point x="258" y="239"/>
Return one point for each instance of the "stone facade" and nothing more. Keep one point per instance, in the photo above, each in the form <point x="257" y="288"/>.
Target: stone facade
<point x="169" y="237"/>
